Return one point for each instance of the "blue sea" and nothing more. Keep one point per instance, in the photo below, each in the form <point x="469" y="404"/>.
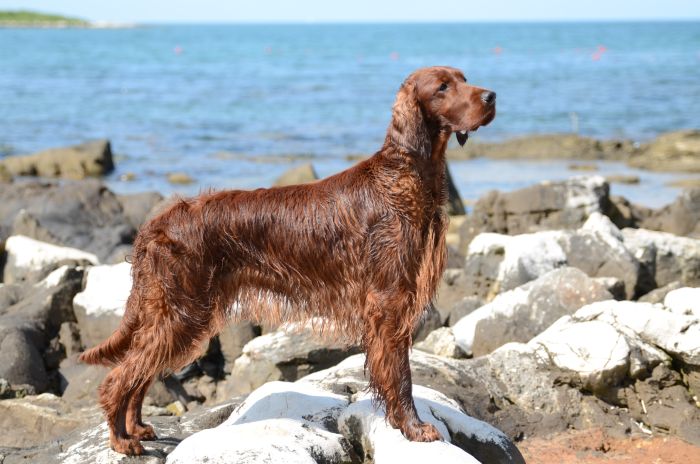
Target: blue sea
<point x="236" y="105"/>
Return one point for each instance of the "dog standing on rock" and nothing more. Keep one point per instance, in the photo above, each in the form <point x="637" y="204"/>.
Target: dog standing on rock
<point x="363" y="250"/>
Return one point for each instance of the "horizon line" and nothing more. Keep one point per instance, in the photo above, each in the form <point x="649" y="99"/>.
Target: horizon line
<point x="381" y="21"/>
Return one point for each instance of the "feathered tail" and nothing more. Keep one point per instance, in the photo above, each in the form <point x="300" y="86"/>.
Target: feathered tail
<point x="112" y="350"/>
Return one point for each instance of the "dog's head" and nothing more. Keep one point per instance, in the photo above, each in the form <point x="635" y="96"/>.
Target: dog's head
<point x="443" y="97"/>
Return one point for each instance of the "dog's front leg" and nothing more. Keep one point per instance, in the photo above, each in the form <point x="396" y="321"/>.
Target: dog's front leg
<point x="387" y="340"/>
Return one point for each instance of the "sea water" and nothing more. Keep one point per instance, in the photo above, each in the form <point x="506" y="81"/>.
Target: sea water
<point x="236" y="105"/>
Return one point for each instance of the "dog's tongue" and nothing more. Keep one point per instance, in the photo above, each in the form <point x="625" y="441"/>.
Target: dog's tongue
<point x="462" y="137"/>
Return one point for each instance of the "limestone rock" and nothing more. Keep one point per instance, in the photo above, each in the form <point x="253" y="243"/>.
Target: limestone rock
<point x="522" y="313"/>
<point x="29" y="259"/>
<point x="76" y="162"/>
<point x="665" y="257"/>
<point x="549" y="205"/>
<point x="100" y="306"/>
<point x="442" y="343"/>
<point x="299" y="175"/>
<point x="286" y="354"/>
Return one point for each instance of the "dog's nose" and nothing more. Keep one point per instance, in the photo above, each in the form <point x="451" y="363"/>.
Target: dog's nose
<point x="488" y="97"/>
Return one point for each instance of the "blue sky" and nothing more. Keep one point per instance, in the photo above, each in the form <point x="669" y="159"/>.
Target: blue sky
<point x="362" y="10"/>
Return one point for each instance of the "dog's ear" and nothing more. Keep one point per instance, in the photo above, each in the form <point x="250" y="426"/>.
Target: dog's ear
<point x="408" y="128"/>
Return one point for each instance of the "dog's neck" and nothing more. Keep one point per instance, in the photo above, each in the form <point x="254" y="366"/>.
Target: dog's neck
<point x="426" y="159"/>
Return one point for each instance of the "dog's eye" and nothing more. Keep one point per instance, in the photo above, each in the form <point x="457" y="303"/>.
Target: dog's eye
<point x="465" y="79"/>
<point x="443" y="87"/>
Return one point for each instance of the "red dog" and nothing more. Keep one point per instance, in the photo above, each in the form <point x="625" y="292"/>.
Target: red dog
<point x="363" y="250"/>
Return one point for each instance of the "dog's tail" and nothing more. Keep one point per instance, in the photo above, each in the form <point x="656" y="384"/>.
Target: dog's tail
<point x="111" y="351"/>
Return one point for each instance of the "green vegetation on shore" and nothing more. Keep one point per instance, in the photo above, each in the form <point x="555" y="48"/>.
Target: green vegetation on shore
<point x="30" y="18"/>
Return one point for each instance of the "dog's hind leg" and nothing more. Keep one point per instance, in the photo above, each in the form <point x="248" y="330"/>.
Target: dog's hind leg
<point x="134" y="423"/>
<point x="387" y="340"/>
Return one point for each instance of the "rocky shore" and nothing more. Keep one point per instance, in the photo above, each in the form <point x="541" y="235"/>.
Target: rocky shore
<point x="565" y="311"/>
<point x="674" y="151"/>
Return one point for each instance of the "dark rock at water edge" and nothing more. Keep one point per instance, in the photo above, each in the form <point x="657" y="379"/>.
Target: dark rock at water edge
<point x="85" y="215"/>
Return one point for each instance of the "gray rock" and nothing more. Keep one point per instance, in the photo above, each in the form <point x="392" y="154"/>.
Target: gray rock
<point x="79" y="381"/>
<point x="20" y="359"/>
<point x="452" y="289"/>
<point x="454" y="201"/>
<point x="520" y="314"/>
<point x="232" y="339"/>
<point x="597" y="248"/>
<point x="547" y="146"/>
<point x="615" y="286"/>
<point x="430" y="320"/>
<point x="286" y="354"/>
<point x="624" y="213"/>
<point x="28" y="326"/>
<point x="76" y="162"/>
<point x="83" y="215"/>
<point x="658" y="295"/>
<point x="442" y="343"/>
<point x="665" y="257"/>
<point x="682" y="217"/>
<point x="545" y="206"/>
<point x="464" y="307"/>
<point x="138" y="207"/>
<point x="497" y="263"/>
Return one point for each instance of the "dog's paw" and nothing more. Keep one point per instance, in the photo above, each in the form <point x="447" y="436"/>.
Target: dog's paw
<point x="421" y="431"/>
<point x="143" y="432"/>
<point x="129" y="446"/>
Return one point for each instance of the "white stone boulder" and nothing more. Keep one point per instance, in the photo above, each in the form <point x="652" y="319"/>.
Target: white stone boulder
<point x="29" y="259"/>
<point x="279" y="422"/>
<point x="607" y="341"/>
<point x="520" y="314"/>
<point x="362" y="423"/>
<point x="291" y="352"/>
<point x="497" y="263"/>
<point x="684" y="301"/>
<point x="100" y="306"/>
<point x="305" y="422"/>
<point x="666" y="257"/>
<point x="442" y="343"/>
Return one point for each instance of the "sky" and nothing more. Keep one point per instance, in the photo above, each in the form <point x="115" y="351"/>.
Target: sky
<point x="178" y="11"/>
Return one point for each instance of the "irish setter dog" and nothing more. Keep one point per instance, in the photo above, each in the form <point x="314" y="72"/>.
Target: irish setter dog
<point x="363" y="250"/>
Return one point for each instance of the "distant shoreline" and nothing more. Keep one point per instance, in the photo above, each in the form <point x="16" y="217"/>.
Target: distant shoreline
<point x="23" y="19"/>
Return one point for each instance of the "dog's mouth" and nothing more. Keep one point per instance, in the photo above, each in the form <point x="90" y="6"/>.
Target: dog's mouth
<point x="462" y="137"/>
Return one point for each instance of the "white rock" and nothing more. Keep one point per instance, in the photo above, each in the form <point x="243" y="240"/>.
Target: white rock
<point x="672" y="258"/>
<point x="260" y="356"/>
<point x="675" y="334"/>
<point x="442" y="343"/>
<point x="522" y="313"/>
<point x="279" y="422"/>
<point x="504" y="305"/>
<point x="602" y="224"/>
<point x="361" y="421"/>
<point x="584" y="192"/>
<point x="297" y="401"/>
<point x="525" y="257"/>
<point x="26" y="255"/>
<point x="107" y="288"/>
<point x="593" y="349"/>
<point x="684" y="301"/>
<point x="55" y="278"/>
